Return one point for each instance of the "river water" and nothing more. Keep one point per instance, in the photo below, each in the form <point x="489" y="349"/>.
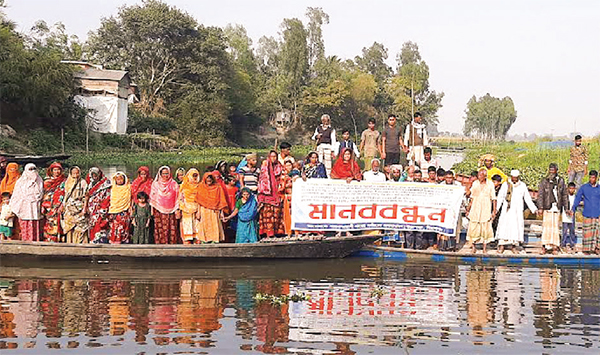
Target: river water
<point x="356" y="306"/>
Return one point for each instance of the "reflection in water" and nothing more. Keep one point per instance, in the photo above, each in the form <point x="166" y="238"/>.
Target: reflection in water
<point x="381" y="308"/>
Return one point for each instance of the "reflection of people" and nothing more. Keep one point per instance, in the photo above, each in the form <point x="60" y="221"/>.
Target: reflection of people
<point x="479" y="305"/>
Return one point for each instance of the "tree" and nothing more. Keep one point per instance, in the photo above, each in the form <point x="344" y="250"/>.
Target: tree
<point x="373" y="61"/>
<point x="489" y="117"/>
<point x="55" y="38"/>
<point x="316" y="47"/>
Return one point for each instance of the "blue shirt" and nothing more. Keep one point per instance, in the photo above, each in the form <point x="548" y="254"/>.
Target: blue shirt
<point x="591" y="200"/>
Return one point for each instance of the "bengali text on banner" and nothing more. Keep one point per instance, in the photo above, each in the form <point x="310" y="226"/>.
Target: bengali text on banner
<point x="335" y="205"/>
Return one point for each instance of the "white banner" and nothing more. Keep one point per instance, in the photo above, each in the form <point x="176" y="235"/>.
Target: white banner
<point x="335" y="205"/>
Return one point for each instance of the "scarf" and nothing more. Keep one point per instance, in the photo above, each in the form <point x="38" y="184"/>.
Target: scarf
<point x="211" y="196"/>
<point x="164" y="194"/>
<point x="268" y="183"/>
<point x="51" y="182"/>
<point x="418" y="125"/>
<point x="343" y="170"/>
<point x="29" y="188"/>
<point x="120" y="195"/>
<point x="249" y="210"/>
<point x="10" y="179"/>
<point x="99" y="184"/>
<point x="140" y="184"/>
<point x="189" y="187"/>
<point x="176" y="175"/>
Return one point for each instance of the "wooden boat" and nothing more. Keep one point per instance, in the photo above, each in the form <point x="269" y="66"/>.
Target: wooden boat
<point x="306" y="249"/>
<point x="531" y="259"/>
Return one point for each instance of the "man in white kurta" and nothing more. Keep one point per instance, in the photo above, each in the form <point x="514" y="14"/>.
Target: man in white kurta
<point x="511" y="197"/>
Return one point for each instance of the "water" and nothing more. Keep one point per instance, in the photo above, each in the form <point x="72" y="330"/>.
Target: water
<point x="357" y="306"/>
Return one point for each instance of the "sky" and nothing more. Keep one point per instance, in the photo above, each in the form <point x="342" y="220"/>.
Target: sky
<point x="544" y="54"/>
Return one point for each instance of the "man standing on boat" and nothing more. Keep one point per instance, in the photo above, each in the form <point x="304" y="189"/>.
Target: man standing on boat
<point x="578" y="162"/>
<point x="552" y="199"/>
<point x="590" y="195"/>
<point x="392" y="147"/>
<point x="416" y="139"/>
<point x="488" y="161"/>
<point x="510" y="200"/>
<point x="326" y="142"/>
<point x="285" y="153"/>
<point x="481" y="211"/>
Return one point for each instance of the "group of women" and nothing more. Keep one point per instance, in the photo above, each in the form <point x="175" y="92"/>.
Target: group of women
<point x="190" y="207"/>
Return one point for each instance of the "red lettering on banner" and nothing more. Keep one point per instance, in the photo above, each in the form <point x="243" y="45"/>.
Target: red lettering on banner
<point x="389" y="212"/>
<point x="351" y="210"/>
<point x="441" y="215"/>
<point x="412" y="215"/>
<point x="322" y="211"/>
<point x="372" y="209"/>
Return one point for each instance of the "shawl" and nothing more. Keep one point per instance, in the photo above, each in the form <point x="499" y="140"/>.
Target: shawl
<point x="211" y="196"/>
<point x="98" y="185"/>
<point x="175" y="176"/>
<point x="71" y="181"/>
<point x="120" y="195"/>
<point x="249" y="210"/>
<point x="189" y="187"/>
<point x="268" y="183"/>
<point x="29" y="188"/>
<point x="219" y="181"/>
<point x="10" y="179"/>
<point x="164" y="195"/>
<point x="52" y="183"/>
<point x="344" y="170"/>
<point x="140" y="184"/>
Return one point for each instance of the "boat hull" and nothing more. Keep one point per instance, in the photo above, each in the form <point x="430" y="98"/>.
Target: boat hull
<point x="313" y="249"/>
<point x="401" y="254"/>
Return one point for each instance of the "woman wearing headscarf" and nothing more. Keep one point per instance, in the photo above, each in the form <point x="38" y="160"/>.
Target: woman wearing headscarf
<point x="74" y="220"/>
<point x="119" y="215"/>
<point x="98" y="205"/>
<point x="285" y="187"/>
<point x="10" y="178"/>
<point x="189" y="206"/>
<point x="271" y="212"/>
<point x="312" y="168"/>
<point x="246" y="210"/>
<point x="179" y="174"/>
<point x="142" y="182"/>
<point x="52" y="201"/>
<point x="346" y="167"/>
<point x="221" y="175"/>
<point x="3" y="164"/>
<point x="26" y="201"/>
<point x="164" y="199"/>
<point x="211" y="205"/>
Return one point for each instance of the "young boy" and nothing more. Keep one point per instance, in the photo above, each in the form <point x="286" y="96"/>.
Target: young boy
<point x="347" y="143"/>
<point x="6" y="217"/>
<point x="141" y="219"/>
<point x="569" y="239"/>
<point x="370" y="140"/>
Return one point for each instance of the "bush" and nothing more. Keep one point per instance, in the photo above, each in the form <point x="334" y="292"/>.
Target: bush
<point x="138" y="122"/>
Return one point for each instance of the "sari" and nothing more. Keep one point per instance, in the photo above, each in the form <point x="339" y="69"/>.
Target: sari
<point x="271" y="216"/>
<point x="164" y="199"/>
<point x="51" y="203"/>
<point x="10" y="178"/>
<point x="316" y="171"/>
<point x="211" y="201"/>
<point x="247" y="227"/>
<point x="118" y="214"/>
<point x="176" y="175"/>
<point x="140" y="184"/>
<point x="74" y="222"/>
<point x="220" y="180"/>
<point x="25" y="203"/>
<point x="189" y="206"/>
<point x="98" y="205"/>
<point x="286" y="195"/>
<point x="346" y="169"/>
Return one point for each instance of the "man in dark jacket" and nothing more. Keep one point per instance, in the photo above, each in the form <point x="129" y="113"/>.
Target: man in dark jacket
<point x="552" y="199"/>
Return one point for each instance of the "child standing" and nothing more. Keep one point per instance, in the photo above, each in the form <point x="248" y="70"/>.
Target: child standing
<point x="347" y="143"/>
<point x="569" y="239"/>
<point x="141" y="219"/>
<point x="6" y="217"/>
<point x="231" y="190"/>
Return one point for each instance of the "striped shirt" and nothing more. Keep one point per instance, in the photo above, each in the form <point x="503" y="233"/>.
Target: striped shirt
<point x="250" y="178"/>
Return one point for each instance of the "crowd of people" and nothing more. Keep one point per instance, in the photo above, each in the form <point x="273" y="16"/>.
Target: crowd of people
<point x="243" y="203"/>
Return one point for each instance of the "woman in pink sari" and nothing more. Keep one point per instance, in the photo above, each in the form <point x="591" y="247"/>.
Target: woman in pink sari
<point x="271" y="213"/>
<point x="164" y="199"/>
<point x="26" y="201"/>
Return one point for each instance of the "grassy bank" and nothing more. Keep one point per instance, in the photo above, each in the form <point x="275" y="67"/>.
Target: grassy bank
<point x="531" y="158"/>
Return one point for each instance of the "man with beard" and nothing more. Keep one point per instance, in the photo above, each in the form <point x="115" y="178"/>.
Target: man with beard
<point x="552" y="199"/>
<point x="578" y="162"/>
<point x="590" y="194"/>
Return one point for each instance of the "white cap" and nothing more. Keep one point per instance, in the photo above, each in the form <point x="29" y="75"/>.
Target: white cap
<point x="515" y="173"/>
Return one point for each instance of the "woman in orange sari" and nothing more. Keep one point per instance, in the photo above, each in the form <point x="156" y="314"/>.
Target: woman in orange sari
<point x="211" y="203"/>
<point x="52" y="202"/>
<point x="285" y="188"/>
<point x="189" y="206"/>
<point x="10" y="178"/>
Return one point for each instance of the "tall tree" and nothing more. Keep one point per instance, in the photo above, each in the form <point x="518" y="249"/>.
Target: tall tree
<point x="489" y="117"/>
<point x="316" y="47"/>
<point x="373" y="61"/>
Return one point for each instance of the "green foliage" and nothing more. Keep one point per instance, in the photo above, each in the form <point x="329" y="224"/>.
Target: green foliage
<point x="138" y="122"/>
<point x="489" y="117"/>
<point x="281" y="300"/>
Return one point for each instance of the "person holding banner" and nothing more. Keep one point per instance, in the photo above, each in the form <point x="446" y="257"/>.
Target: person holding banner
<point x="312" y="168"/>
<point x="375" y="174"/>
<point x="270" y="209"/>
<point x="346" y="167"/>
<point x="481" y="211"/>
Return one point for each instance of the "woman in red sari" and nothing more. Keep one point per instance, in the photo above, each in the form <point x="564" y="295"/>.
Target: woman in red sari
<point x="141" y="183"/>
<point x="52" y="202"/>
<point x="164" y="199"/>
<point x="98" y="205"/>
<point x="346" y="167"/>
<point x="271" y="213"/>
